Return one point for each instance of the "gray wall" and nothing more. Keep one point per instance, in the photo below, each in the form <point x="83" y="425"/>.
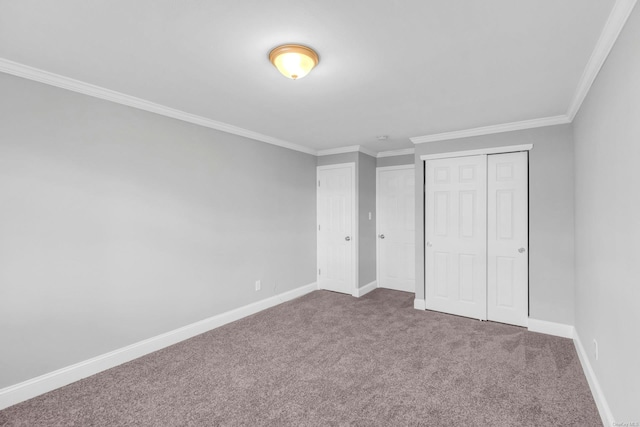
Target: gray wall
<point x="551" y="254"/>
<point x="118" y="225"/>
<point x="406" y="159"/>
<point x="607" y="135"/>
<point x="367" y="227"/>
<point x="334" y="159"/>
<point x="366" y="200"/>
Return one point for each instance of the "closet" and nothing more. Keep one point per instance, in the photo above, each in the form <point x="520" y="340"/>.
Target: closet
<point x="476" y="236"/>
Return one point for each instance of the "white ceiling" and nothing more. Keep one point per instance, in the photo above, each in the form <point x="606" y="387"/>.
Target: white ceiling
<point x="403" y="68"/>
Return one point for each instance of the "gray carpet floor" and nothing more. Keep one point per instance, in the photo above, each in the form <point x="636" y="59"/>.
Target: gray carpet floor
<point x="327" y="359"/>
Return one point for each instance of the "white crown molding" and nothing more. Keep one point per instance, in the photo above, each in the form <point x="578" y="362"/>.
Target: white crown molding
<point x="366" y="151"/>
<point x="339" y="150"/>
<point x="617" y="18"/>
<point x="31" y="388"/>
<point x="348" y="149"/>
<point x="612" y="28"/>
<point x="487" y="130"/>
<point x="35" y="74"/>
<point x="393" y="153"/>
<point x="480" y="151"/>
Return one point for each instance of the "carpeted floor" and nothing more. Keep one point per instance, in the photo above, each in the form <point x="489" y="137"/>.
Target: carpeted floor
<point x="328" y="359"/>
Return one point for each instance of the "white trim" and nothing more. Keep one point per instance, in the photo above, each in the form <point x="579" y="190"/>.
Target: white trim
<point x="354" y="222"/>
<point x="378" y="170"/>
<point x="419" y="304"/>
<point x="489" y="150"/>
<point x="568" y="331"/>
<point x="603" y="407"/>
<point x="339" y="150"/>
<point x="615" y="23"/>
<point x="355" y="238"/>
<point x="487" y="130"/>
<point x="550" y="328"/>
<point x="34" y="387"/>
<point x="611" y="31"/>
<point x="366" y="151"/>
<point x="363" y="290"/>
<point x="617" y="18"/>
<point x="57" y="80"/>
<point x="348" y="149"/>
<point x="393" y="153"/>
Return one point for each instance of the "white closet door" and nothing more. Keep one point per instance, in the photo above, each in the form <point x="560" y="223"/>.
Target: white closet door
<point x="336" y="222"/>
<point x="396" y="228"/>
<point x="507" y="239"/>
<point x="456" y="236"/>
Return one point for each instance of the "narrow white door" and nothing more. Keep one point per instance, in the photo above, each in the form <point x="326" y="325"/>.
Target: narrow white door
<point x="456" y="236"/>
<point x="396" y="227"/>
<point x="508" y="239"/>
<point x="336" y="223"/>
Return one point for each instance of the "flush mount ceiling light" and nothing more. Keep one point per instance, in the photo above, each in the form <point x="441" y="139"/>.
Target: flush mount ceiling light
<point x="293" y="60"/>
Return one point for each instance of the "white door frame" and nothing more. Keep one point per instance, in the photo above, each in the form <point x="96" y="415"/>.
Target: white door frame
<point x="508" y="246"/>
<point x="489" y="150"/>
<point x="421" y="304"/>
<point x="354" y="223"/>
<point x="378" y="170"/>
<point x="458" y="283"/>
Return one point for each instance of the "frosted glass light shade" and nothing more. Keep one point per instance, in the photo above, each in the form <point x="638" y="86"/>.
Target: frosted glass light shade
<point x="293" y="61"/>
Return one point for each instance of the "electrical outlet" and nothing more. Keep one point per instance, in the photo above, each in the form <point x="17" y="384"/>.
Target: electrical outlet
<point x="595" y="348"/>
<point x="258" y="285"/>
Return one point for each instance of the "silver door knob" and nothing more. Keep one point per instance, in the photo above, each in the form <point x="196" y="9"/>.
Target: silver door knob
<point x="429" y="244"/>
<point x="521" y="250"/>
<point x="381" y="236"/>
<point x="347" y="238"/>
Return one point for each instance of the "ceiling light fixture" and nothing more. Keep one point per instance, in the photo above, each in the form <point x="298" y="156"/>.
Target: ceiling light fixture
<point x="294" y="61"/>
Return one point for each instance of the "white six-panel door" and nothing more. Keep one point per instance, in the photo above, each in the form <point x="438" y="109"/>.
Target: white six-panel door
<point x="456" y="236"/>
<point x="507" y="238"/>
<point x="396" y="227"/>
<point x="336" y="225"/>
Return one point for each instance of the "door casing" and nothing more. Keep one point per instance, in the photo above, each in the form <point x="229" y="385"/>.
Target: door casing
<point x="508" y="238"/>
<point x="380" y="230"/>
<point x="353" y="218"/>
<point x="421" y="304"/>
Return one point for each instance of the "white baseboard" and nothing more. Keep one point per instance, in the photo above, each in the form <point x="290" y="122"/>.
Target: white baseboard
<point x="568" y="331"/>
<point x="550" y="328"/>
<point x="419" y="304"/>
<point x="412" y="288"/>
<point x="34" y="387"/>
<point x="603" y="407"/>
<point x="365" y="289"/>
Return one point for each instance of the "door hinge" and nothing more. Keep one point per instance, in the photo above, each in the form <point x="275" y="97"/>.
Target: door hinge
<point x="318" y="183"/>
<point x="319" y="272"/>
<point x="318" y="227"/>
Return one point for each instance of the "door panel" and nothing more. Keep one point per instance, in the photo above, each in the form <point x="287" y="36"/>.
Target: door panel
<point x="455" y="235"/>
<point x="336" y="254"/>
<point x="507" y="239"/>
<point x="396" y="222"/>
